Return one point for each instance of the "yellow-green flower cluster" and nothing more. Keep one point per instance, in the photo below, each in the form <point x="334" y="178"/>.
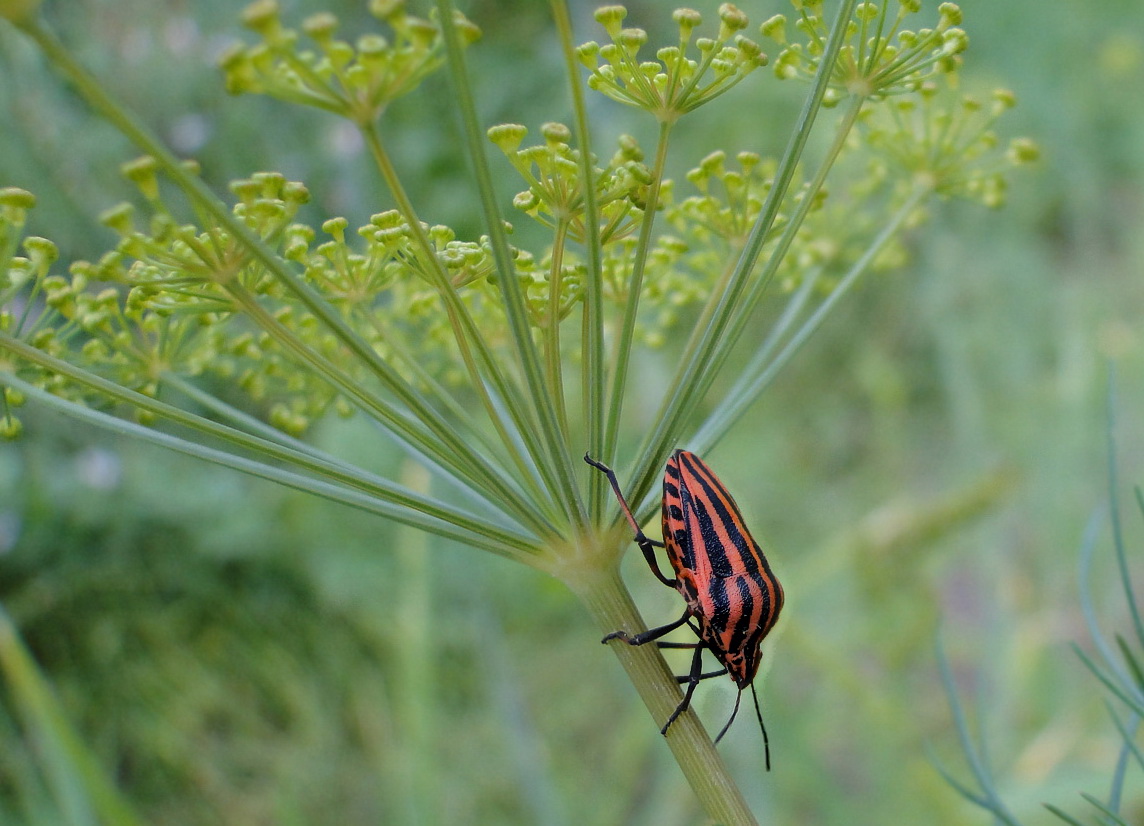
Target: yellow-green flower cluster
<point x="555" y="195"/>
<point x="15" y="204"/>
<point x="355" y="80"/>
<point x="708" y="231"/>
<point x="175" y="304"/>
<point x="382" y="286"/>
<point x="880" y="56"/>
<point x="19" y="275"/>
<point x="945" y="142"/>
<point x="729" y="199"/>
<point x="675" y="82"/>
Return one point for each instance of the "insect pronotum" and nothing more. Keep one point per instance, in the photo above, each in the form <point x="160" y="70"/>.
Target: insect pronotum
<point x="733" y="598"/>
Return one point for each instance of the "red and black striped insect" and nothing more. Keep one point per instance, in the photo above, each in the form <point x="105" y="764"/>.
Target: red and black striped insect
<point x="733" y="598"/>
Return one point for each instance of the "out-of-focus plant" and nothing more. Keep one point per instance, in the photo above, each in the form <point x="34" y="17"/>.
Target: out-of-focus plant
<point x="498" y="366"/>
<point x="1117" y="663"/>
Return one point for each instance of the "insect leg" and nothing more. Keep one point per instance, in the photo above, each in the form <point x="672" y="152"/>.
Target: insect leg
<point x="704" y="676"/>
<point x="692" y="681"/>
<point x="691" y="645"/>
<point x="647" y="545"/>
<point x="648" y="636"/>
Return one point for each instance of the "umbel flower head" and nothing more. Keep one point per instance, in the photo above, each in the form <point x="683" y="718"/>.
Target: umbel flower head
<point x="355" y="80"/>
<point x="945" y="142"/>
<point x="880" y="58"/>
<point x="555" y="187"/>
<point x="675" y="82"/>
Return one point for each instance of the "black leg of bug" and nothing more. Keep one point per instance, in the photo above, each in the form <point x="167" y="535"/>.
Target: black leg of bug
<point x="692" y="681"/>
<point x="647" y="546"/>
<point x="648" y="636"/>
<point x="706" y="675"/>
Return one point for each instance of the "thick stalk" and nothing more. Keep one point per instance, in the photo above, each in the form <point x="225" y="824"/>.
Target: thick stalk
<point x="606" y="597"/>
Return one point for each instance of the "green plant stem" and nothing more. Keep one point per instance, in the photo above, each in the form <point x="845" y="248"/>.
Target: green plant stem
<point x="593" y="376"/>
<point x="371" y="494"/>
<point x="762" y="369"/>
<point x="744" y="311"/>
<point x="528" y="475"/>
<point x="565" y="491"/>
<point x="471" y="345"/>
<point x="477" y="474"/>
<point x="635" y="286"/>
<point x="600" y="588"/>
<point x="552" y="362"/>
<point x="256" y="426"/>
<point x="703" y="347"/>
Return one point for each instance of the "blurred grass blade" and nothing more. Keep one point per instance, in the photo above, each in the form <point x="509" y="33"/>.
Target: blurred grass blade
<point x="1110" y="816"/>
<point x="1114" y="507"/>
<point x="1133" y="703"/>
<point x="989" y="799"/>
<point x="415" y="678"/>
<point x="957" y="785"/>
<point x="1087" y="606"/>
<point x="1130" y="658"/>
<point x="82" y="787"/>
<point x="1116" y="787"/>
<point x="1128" y="734"/>
<point x="527" y="756"/>
<point x="1067" y="818"/>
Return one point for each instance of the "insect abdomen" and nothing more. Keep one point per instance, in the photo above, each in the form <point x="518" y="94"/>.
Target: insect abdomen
<point x="722" y="572"/>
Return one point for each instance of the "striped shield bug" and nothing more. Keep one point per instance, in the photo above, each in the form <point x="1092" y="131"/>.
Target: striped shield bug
<point x="733" y="598"/>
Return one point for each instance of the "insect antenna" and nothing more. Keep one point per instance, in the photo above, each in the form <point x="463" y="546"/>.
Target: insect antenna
<point x="759" y="714"/>
<point x="734" y="711"/>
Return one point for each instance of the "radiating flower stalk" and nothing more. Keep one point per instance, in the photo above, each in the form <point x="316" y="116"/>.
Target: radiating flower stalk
<point x="496" y="366"/>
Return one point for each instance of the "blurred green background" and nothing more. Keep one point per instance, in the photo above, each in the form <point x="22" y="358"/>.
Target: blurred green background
<point x="234" y="653"/>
